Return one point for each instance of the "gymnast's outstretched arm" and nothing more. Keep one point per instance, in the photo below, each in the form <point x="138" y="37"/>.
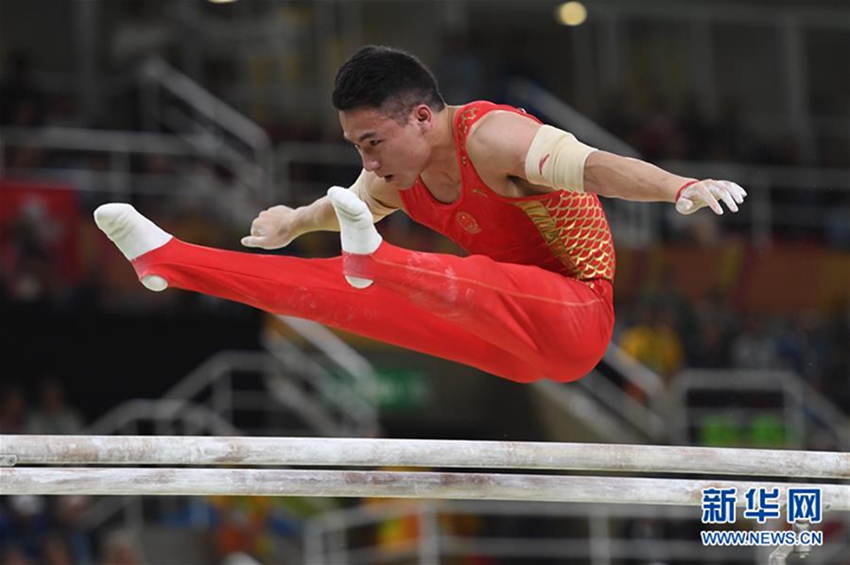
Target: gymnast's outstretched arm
<point x="278" y="226"/>
<point x="551" y="159"/>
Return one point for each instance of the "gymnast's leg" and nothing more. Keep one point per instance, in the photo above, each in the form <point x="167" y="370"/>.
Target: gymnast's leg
<point x="413" y="304"/>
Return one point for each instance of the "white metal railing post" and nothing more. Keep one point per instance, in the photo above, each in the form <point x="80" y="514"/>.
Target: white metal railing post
<point x="801" y="404"/>
<point x="357" y="402"/>
<point x="149" y="105"/>
<point x="796" y="85"/>
<point x="599" y="536"/>
<point x="634" y="220"/>
<point x="134" y="514"/>
<point x="429" y="534"/>
<point x="337" y="540"/>
<point x="161" y="421"/>
<point x="115" y="180"/>
<point x="162" y="75"/>
<point x="221" y="389"/>
<point x="576" y="549"/>
<point x="314" y="531"/>
<point x="762" y="224"/>
<point x="267" y="167"/>
<point x="124" y="164"/>
<point x="795" y="396"/>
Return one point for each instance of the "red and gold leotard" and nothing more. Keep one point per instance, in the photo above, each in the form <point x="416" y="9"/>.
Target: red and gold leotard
<point x="565" y="232"/>
<point x="532" y="301"/>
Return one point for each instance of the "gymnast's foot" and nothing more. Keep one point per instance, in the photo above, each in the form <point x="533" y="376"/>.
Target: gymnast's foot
<point x="133" y="234"/>
<point x="357" y="228"/>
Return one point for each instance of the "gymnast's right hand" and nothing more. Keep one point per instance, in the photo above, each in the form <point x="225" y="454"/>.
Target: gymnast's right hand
<point x="272" y="229"/>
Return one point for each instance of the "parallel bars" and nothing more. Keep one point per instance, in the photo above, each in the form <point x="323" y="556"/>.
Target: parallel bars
<point x="49" y="465"/>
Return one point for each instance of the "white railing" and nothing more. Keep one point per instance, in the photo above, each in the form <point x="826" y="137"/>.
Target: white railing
<point x="205" y="120"/>
<point x="329" y="539"/>
<point x="764" y="213"/>
<point x="218" y="392"/>
<point x="143" y="416"/>
<point x="323" y="404"/>
<point x="636" y="224"/>
<point x="204" y="130"/>
<point x="290" y="153"/>
<point x="564" y="115"/>
<point x="336" y="350"/>
<point x="350" y="405"/>
<point x="210" y="398"/>
<point x="164" y="416"/>
<point x="191" y="153"/>
<point x="607" y="409"/>
<point x="120" y="146"/>
<point x="205" y="104"/>
<point x="803" y="412"/>
<point x="632" y="222"/>
<point x="580" y="404"/>
<point x="667" y="416"/>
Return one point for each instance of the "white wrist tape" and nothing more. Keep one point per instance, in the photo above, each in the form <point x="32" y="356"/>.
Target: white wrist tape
<point x="378" y="209"/>
<point x="556" y="159"/>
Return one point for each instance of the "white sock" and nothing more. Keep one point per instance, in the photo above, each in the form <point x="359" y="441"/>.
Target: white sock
<point x="357" y="229"/>
<point x="133" y="234"/>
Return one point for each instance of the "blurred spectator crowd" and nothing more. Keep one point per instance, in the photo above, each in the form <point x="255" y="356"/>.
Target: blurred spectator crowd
<point x="37" y="530"/>
<point x="51" y="530"/>
<point x="668" y="334"/>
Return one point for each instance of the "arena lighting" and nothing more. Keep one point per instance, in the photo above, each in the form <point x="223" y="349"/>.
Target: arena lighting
<point x="571" y="14"/>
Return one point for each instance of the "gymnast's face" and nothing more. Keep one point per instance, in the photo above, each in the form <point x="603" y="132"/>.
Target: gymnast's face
<point x="395" y="148"/>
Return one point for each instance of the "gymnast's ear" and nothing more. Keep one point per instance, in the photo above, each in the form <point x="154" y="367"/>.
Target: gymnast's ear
<point x="423" y="114"/>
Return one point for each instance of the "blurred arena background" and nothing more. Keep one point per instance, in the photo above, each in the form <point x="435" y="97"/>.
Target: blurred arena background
<point x="732" y="331"/>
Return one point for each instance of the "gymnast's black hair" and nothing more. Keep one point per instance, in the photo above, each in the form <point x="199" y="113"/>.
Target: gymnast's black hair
<point x="386" y="79"/>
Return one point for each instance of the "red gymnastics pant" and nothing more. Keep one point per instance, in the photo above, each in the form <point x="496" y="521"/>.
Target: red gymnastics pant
<point x="519" y="322"/>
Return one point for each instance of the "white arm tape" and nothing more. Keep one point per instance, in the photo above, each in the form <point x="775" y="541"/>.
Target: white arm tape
<point x="378" y="209"/>
<point x="556" y="159"/>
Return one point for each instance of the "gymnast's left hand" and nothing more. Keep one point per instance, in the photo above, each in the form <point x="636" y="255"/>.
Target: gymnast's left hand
<point x="710" y="193"/>
<point x="273" y="228"/>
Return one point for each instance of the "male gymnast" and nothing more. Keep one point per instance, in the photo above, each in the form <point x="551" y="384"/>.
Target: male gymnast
<point x="531" y="301"/>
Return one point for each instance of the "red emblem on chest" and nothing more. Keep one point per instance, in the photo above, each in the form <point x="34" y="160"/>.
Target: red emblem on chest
<point x="467" y="222"/>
